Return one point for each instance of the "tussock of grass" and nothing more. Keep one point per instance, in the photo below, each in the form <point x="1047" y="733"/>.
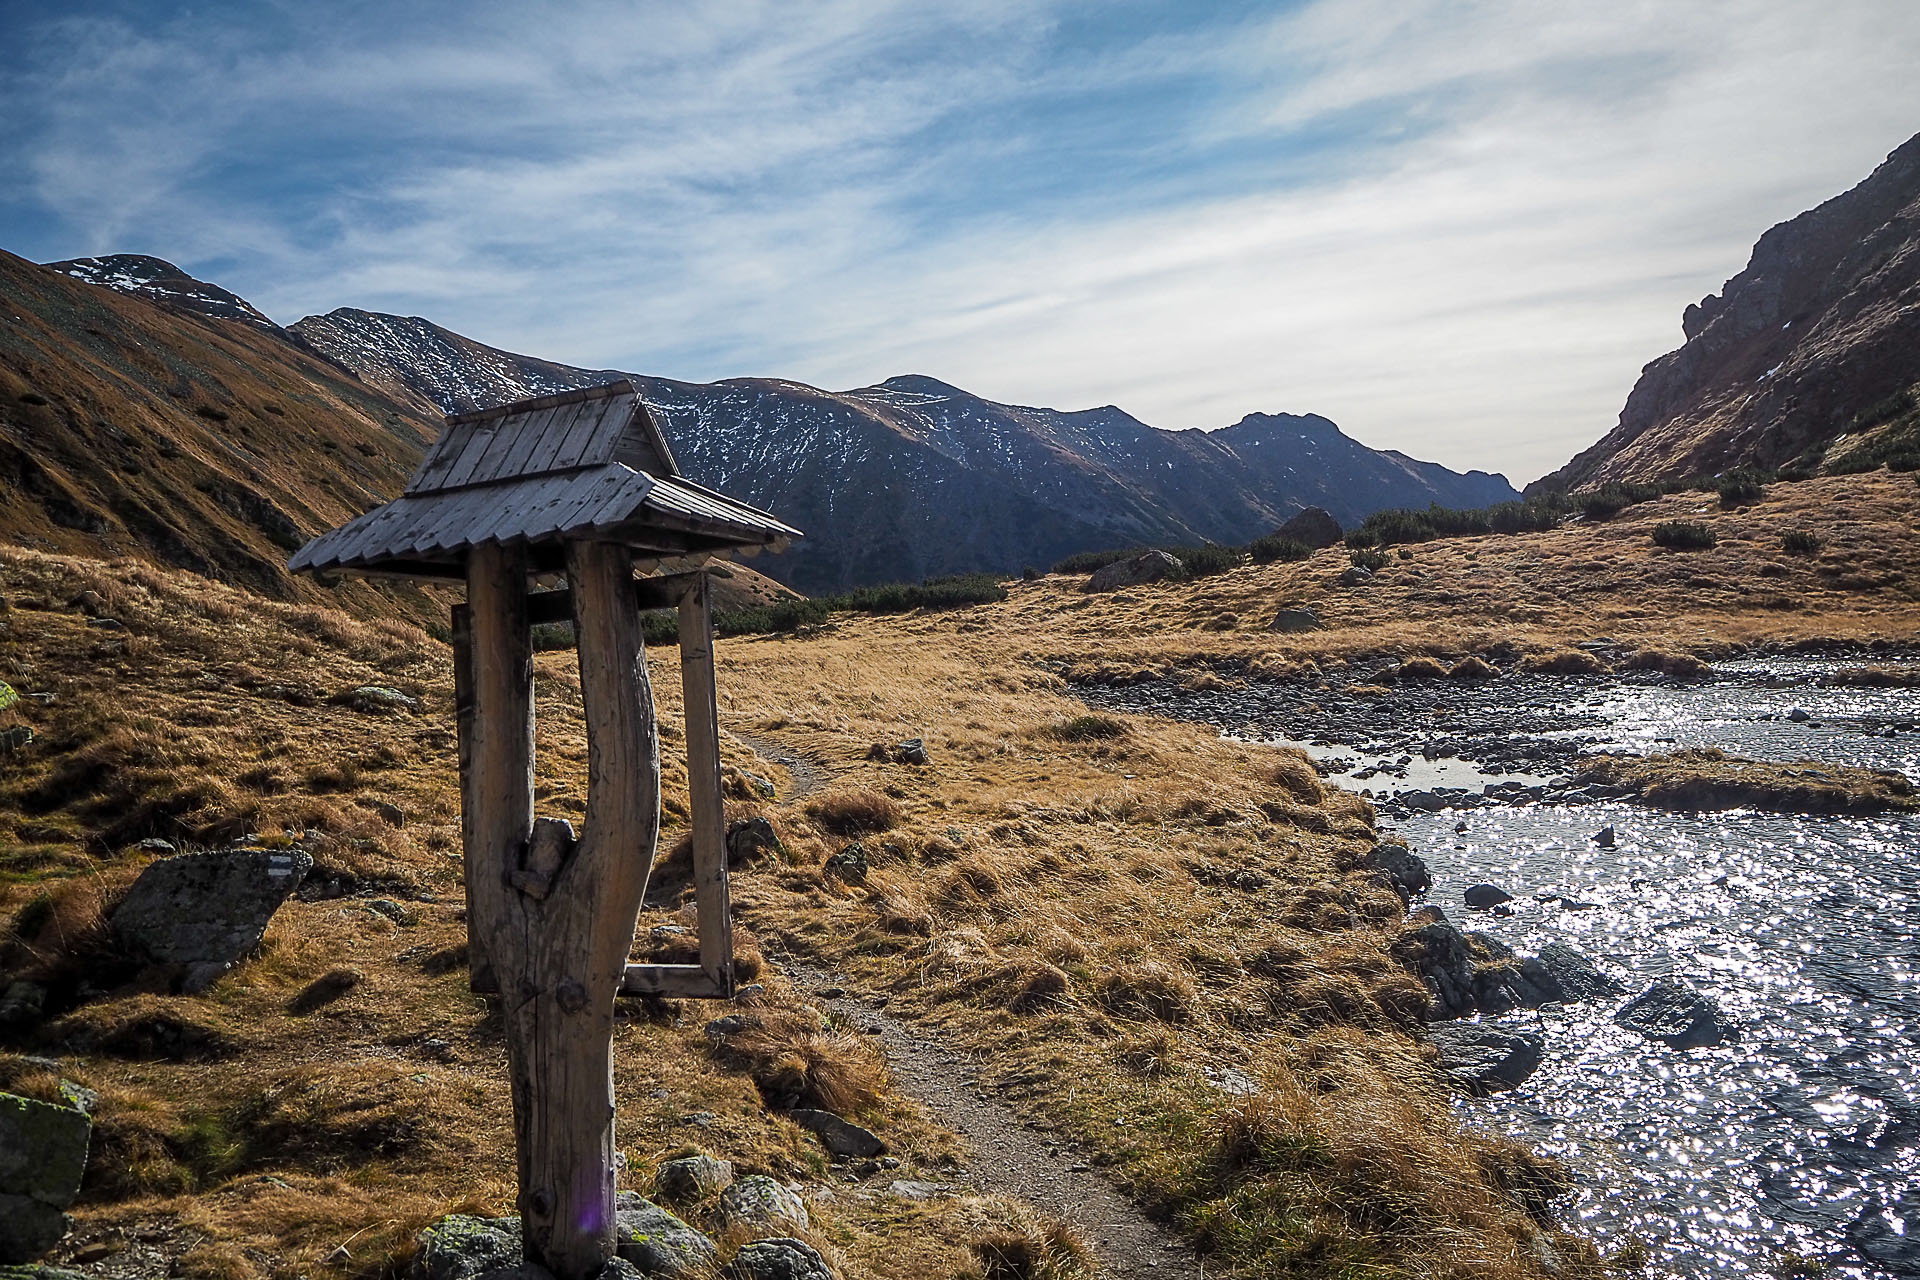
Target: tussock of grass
<point x="796" y="1060"/>
<point x="1680" y="666"/>
<point x="1420" y="668"/>
<point x="1564" y="662"/>
<point x="854" y="812"/>
<point x="1092" y="727"/>
<point x="1875" y="677"/>
<point x="1320" y="1173"/>
<point x="1023" y="1245"/>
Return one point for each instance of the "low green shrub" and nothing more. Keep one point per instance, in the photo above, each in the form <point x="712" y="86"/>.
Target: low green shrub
<point x="1683" y="535"/>
<point x="1273" y="547"/>
<point x="1740" y="488"/>
<point x="1372" y="559"/>
<point x="1800" y="542"/>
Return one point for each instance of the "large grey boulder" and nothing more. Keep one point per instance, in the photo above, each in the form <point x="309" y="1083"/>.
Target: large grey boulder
<point x="1673" y="1013"/>
<point x="760" y="1202"/>
<point x="782" y="1258"/>
<point x="657" y="1242"/>
<point x="1479" y="1059"/>
<point x="204" y="911"/>
<point x="1153" y="566"/>
<point x="1315" y="527"/>
<point x="43" y="1156"/>
<point x="838" y="1136"/>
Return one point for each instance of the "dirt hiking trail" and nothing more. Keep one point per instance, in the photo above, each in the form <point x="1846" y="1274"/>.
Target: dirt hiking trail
<point x="1011" y="1156"/>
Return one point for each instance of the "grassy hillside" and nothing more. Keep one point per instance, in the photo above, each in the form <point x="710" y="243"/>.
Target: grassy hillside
<point x="1056" y="897"/>
<point x="1108" y="914"/>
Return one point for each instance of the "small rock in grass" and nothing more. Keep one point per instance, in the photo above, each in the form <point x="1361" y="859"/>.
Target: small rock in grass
<point x="748" y="838"/>
<point x="1291" y="621"/>
<point x="840" y="1137"/>
<point x="759" y="1201"/>
<point x="782" y="1258"/>
<point x="693" y="1177"/>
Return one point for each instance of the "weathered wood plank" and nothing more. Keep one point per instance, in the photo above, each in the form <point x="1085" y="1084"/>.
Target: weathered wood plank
<point x="685" y="981"/>
<point x="715" y="916"/>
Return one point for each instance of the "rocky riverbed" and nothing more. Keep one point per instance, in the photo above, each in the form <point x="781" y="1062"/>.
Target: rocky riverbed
<point x="1749" y="1104"/>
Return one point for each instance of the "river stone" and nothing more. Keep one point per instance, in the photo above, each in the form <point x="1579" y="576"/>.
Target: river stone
<point x="464" y="1247"/>
<point x="1402" y="869"/>
<point x="1895" y="1248"/>
<point x="1577" y="977"/>
<point x="1486" y="895"/>
<point x="759" y="1201"/>
<point x="207" y="910"/>
<point x="1675" y="1014"/>
<point x="659" y="1243"/>
<point x="782" y="1258"/>
<point x="693" y="1177"/>
<point x="841" y="1137"/>
<point x="1291" y="620"/>
<point x="1481" y="1059"/>
<point x="40" y="1271"/>
<point x="1153" y="566"/>
<point x="1315" y="527"/>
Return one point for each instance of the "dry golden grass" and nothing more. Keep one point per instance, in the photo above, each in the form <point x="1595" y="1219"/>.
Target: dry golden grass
<point x="1100" y="918"/>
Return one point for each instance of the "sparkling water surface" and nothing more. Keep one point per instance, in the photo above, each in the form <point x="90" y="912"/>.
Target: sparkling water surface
<point x="1794" y="1150"/>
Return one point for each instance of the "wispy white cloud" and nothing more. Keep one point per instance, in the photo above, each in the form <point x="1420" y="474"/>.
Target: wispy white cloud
<point x="1456" y="226"/>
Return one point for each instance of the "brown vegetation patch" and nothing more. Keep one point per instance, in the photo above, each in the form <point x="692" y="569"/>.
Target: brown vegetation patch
<point x="1564" y="662"/>
<point x="1680" y="666"/>
<point x="854" y="812"/>
<point x="1706" y="778"/>
<point x="796" y="1059"/>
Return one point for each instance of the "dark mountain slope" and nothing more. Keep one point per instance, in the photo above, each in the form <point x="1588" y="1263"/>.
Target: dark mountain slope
<point x="913" y="476"/>
<point x="1821" y="327"/>
<point x="134" y="427"/>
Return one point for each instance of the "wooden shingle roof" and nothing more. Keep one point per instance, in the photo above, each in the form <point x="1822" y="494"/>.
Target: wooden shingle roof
<point x="581" y="464"/>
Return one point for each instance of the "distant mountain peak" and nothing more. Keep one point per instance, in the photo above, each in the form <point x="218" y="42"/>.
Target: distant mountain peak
<point x="157" y="280"/>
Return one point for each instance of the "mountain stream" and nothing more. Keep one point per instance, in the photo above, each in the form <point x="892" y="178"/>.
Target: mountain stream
<point x="1795" y="1148"/>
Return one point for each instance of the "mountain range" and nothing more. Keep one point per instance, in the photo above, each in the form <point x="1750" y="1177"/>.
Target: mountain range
<point x="1814" y="343"/>
<point x="909" y="478"/>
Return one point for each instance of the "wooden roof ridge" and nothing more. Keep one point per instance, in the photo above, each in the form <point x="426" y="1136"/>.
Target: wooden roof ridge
<point x="599" y="390"/>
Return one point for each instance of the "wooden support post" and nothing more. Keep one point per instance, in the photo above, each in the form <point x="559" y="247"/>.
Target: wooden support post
<point x="557" y="913"/>
<point x="480" y="975"/>
<point x="703" y="785"/>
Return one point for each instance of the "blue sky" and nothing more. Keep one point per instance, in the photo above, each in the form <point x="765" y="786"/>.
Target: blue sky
<point x="1457" y="227"/>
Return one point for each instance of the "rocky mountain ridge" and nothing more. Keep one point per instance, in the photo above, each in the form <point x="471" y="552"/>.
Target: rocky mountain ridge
<point x="909" y="478"/>
<point x="914" y="477"/>
<point x="1797" y="352"/>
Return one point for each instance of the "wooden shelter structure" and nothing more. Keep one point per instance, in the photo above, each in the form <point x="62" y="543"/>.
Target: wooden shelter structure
<point x="581" y="484"/>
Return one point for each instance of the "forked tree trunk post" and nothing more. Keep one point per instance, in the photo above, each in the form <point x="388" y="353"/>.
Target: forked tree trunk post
<point x="556" y="915"/>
